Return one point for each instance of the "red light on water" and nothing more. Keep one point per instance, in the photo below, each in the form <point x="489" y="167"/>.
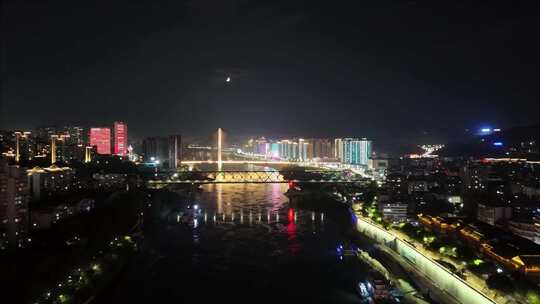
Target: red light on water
<point x="290" y="214"/>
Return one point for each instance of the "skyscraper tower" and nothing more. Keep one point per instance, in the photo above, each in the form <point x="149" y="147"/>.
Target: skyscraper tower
<point x="101" y="137"/>
<point x="338" y="148"/>
<point x="175" y="151"/>
<point x="120" y="138"/>
<point x="355" y="151"/>
<point x="87" y="154"/>
<point x="18" y="137"/>
<point x="14" y="199"/>
<point x="54" y="137"/>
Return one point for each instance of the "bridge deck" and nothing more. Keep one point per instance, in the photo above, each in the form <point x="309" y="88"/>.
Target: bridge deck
<point x="237" y="177"/>
<point x="156" y="182"/>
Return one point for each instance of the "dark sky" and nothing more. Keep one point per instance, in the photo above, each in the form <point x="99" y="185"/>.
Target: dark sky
<point x="381" y="69"/>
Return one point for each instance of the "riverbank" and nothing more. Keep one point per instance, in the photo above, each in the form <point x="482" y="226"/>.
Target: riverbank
<point x="415" y="291"/>
<point x="289" y="257"/>
<point x="62" y="258"/>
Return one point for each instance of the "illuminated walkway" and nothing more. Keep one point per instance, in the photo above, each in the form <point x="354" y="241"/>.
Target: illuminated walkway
<point x="452" y="285"/>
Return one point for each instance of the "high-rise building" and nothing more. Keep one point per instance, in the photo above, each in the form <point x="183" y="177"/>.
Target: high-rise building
<point x="75" y="135"/>
<point x="261" y="146"/>
<point x="14" y="198"/>
<point x="348" y="151"/>
<point x="365" y="151"/>
<point x="322" y="148"/>
<point x="175" y="151"/>
<point x="120" y="138"/>
<point x="274" y="149"/>
<point x="284" y="149"/>
<point x="49" y="180"/>
<point x="25" y="146"/>
<point x="491" y="213"/>
<point x="302" y="149"/>
<point x="156" y="148"/>
<point x="338" y="148"/>
<point x="293" y="150"/>
<point x="101" y="138"/>
<point x="475" y="176"/>
<point x="309" y="150"/>
<point x="43" y="134"/>
<point x="355" y="151"/>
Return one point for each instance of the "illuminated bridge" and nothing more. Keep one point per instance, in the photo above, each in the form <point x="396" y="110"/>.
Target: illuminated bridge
<point x="255" y="162"/>
<point x="232" y="177"/>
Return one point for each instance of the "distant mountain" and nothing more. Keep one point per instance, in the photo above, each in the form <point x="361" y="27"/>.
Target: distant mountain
<point x="511" y="142"/>
<point x="516" y="135"/>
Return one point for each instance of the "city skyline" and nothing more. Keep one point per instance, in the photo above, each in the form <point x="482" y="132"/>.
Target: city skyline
<point x="191" y="65"/>
<point x="298" y="151"/>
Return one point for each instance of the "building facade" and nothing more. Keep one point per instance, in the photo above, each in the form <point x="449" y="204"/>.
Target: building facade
<point x="101" y="138"/>
<point x="394" y="211"/>
<point x="175" y="151"/>
<point x="322" y="148"/>
<point x="14" y="199"/>
<point x="354" y="151"/>
<point x="491" y="214"/>
<point x="338" y="148"/>
<point x="75" y="135"/>
<point x="120" y="138"/>
<point x="156" y="148"/>
<point x="49" y="180"/>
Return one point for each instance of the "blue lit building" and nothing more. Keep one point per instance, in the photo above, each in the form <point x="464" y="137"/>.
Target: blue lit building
<point x="302" y="149"/>
<point x="364" y="151"/>
<point x="284" y="149"/>
<point x="274" y="149"/>
<point x="355" y="151"/>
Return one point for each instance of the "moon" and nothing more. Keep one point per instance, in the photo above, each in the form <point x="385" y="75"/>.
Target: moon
<point x="228" y="79"/>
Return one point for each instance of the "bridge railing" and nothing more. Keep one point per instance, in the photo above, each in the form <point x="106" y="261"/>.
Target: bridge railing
<point x="255" y="177"/>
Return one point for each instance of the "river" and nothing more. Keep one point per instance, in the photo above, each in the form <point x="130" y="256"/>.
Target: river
<point x="247" y="245"/>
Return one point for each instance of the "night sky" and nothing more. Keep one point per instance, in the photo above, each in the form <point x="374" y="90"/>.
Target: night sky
<point x="387" y="70"/>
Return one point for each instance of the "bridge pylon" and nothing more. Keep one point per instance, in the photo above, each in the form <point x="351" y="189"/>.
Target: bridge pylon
<point x="219" y="142"/>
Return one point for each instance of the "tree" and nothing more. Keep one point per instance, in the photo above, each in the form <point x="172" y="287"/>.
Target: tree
<point x="500" y="282"/>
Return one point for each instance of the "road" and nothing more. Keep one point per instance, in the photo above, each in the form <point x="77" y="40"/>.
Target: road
<point x="389" y="235"/>
<point x="471" y="278"/>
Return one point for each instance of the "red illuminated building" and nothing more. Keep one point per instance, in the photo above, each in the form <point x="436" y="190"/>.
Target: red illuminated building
<point x="120" y="138"/>
<point x="101" y="138"/>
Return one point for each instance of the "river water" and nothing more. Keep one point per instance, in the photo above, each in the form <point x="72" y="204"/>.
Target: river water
<point x="247" y="244"/>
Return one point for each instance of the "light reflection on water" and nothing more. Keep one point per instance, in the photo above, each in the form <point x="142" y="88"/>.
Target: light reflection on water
<point x="237" y="196"/>
<point x="246" y="238"/>
<point x="252" y="226"/>
<point x="260" y="203"/>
